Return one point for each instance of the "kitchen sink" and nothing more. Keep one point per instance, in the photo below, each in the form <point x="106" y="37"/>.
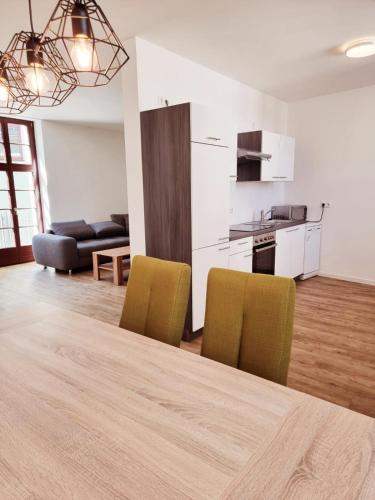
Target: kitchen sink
<point x="267" y="222"/>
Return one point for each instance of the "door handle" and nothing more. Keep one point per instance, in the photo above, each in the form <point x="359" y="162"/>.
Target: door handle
<point x="292" y="230"/>
<point x="244" y="243"/>
<point x="279" y="177"/>
<point x="248" y="255"/>
<point x="265" y="248"/>
<point x="223" y="239"/>
<point x="213" y="138"/>
<point x="224" y="248"/>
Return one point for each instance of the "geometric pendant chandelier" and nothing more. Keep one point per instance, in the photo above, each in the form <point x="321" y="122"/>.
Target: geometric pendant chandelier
<point x="78" y="48"/>
<point x="39" y="66"/>
<point x="36" y="63"/>
<point x="15" y="98"/>
<point x="81" y="33"/>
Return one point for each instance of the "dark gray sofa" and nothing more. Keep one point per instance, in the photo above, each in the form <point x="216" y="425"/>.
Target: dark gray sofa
<point x="69" y="245"/>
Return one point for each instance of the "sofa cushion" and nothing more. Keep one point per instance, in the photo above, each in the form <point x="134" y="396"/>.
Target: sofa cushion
<point x="77" y="229"/>
<point x="107" y="228"/>
<point x="123" y="220"/>
<point x="85" y="248"/>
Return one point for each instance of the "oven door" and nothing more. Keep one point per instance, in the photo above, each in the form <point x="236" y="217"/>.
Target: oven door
<point x="264" y="259"/>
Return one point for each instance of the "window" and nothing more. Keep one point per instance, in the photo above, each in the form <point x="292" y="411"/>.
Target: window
<point x="20" y="213"/>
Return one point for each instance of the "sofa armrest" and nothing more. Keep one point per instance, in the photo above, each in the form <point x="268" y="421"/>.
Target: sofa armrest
<point x="55" y="251"/>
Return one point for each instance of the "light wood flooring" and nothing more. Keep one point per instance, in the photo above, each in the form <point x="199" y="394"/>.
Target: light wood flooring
<point x="333" y="354"/>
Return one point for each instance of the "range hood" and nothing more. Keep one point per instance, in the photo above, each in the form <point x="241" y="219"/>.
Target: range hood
<point x="246" y="154"/>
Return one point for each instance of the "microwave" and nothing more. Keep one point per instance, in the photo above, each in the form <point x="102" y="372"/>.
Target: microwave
<point x="289" y="212"/>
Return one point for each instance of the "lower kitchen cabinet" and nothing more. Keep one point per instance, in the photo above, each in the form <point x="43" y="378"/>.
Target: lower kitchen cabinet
<point x="241" y="261"/>
<point x="203" y="260"/>
<point x="290" y="251"/>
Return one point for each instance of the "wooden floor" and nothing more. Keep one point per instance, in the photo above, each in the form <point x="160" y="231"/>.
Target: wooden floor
<point x="333" y="354"/>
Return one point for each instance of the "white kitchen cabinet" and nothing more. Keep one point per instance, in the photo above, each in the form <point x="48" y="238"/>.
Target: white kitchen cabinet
<point x="290" y="251"/>
<point x="280" y="167"/>
<point x="241" y="261"/>
<point x="211" y="126"/>
<point x="286" y="158"/>
<point x="210" y="194"/>
<point x="203" y="260"/>
<point x="270" y="145"/>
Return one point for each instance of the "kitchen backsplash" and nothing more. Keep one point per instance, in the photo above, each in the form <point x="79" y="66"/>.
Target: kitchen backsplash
<point x="249" y="198"/>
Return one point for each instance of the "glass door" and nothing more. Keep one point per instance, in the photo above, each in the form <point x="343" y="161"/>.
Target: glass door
<point x="20" y="210"/>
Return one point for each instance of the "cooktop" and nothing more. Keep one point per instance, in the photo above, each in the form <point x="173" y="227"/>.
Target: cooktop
<point x="251" y="226"/>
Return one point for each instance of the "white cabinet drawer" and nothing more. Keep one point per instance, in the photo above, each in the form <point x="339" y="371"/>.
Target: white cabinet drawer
<point x="210" y="126"/>
<point x="242" y="261"/>
<point x="241" y="245"/>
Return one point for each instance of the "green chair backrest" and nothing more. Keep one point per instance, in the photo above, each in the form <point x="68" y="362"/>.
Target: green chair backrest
<point x="249" y="322"/>
<point x="157" y="297"/>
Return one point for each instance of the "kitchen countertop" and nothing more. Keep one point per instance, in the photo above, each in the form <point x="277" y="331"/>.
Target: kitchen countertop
<point x="236" y="235"/>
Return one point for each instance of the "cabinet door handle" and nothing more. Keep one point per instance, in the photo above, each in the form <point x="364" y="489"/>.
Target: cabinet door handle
<point x="213" y="138"/>
<point x="279" y="177"/>
<point x="233" y="176"/>
<point x="265" y="248"/>
<point x="244" y="243"/>
<point x="248" y="255"/>
<point x="292" y="230"/>
<point x="224" y="238"/>
<point x="224" y="248"/>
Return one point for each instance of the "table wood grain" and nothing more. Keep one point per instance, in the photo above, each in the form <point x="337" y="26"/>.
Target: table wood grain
<point x="90" y="411"/>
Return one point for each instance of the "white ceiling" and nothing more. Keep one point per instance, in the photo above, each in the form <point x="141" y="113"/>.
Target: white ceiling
<point x="287" y="48"/>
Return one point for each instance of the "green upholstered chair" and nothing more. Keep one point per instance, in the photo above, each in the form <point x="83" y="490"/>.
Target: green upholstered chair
<point x="156" y="299"/>
<point x="249" y="322"/>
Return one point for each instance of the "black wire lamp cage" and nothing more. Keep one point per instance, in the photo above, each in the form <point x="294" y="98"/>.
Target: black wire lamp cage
<point x="15" y="98"/>
<point x="38" y="64"/>
<point x="41" y="66"/>
<point x="81" y="33"/>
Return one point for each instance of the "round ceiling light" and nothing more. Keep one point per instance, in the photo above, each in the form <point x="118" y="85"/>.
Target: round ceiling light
<point x="361" y="48"/>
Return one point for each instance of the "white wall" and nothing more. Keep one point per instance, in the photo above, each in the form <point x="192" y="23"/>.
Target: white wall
<point x="165" y="75"/>
<point x="85" y="174"/>
<point x="133" y="152"/>
<point x="335" y="162"/>
<point x="154" y="74"/>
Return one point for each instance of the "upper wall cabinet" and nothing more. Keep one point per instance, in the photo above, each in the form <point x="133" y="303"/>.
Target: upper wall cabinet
<point x="212" y="127"/>
<point x="281" y="165"/>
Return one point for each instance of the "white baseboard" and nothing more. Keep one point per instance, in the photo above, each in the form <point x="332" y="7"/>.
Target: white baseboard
<point x="348" y="278"/>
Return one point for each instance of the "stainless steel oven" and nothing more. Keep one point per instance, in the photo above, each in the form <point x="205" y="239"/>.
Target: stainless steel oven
<point x="264" y="251"/>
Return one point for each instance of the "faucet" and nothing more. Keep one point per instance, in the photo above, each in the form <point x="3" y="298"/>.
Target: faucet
<point x="263" y="215"/>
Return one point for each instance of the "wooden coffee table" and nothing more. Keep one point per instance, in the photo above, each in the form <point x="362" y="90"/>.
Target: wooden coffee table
<point x="117" y="255"/>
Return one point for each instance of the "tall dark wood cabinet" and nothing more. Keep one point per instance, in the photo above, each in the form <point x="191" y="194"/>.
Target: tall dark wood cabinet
<point x="182" y="151"/>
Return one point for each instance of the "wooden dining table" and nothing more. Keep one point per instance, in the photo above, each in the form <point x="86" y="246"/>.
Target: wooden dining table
<point x="90" y="411"/>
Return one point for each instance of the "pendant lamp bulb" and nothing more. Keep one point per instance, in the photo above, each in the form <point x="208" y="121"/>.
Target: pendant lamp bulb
<point x="4" y="85"/>
<point x="4" y="92"/>
<point x="83" y="52"/>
